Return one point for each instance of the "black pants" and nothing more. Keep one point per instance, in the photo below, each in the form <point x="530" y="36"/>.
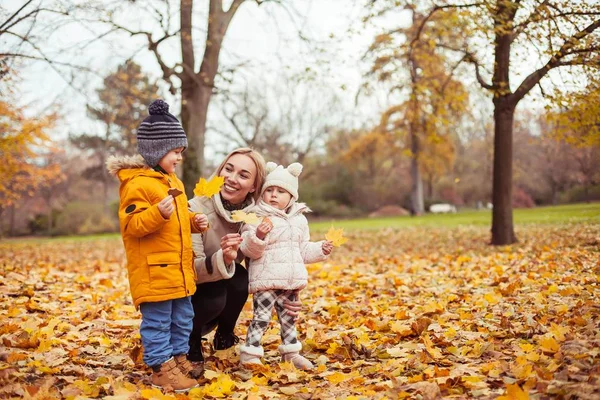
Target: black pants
<point x="219" y="304"/>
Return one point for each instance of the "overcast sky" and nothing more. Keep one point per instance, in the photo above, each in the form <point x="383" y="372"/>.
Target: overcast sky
<point x="265" y="39"/>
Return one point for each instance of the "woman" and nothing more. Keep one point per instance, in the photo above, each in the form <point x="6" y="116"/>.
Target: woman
<point x="222" y="283"/>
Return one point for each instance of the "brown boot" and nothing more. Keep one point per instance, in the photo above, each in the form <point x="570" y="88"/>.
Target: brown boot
<point x="169" y="377"/>
<point x="192" y="370"/>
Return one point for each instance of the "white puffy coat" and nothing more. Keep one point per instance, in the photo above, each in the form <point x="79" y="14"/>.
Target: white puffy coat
<point x="278" y="262"/>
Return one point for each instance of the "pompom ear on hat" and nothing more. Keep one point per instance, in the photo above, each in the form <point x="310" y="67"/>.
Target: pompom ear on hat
<point x="286" y="178"/>
<point x="295" y="169"/>
<point x="271" y="166"/>
<point x="159" y="133"/>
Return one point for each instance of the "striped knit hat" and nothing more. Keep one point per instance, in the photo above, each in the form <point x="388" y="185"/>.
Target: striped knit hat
<point x="159" y="133"/>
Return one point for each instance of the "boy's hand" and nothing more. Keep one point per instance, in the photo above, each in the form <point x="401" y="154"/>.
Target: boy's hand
<point x="327" y="247"/>
<point x="265" y="227"/>
<point x="166" y="207"/>
<point x="201" y="222"/>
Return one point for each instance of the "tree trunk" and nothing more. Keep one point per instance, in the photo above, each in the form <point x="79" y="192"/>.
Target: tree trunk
<point x="197" y="88"/>
<point x="430" y="187"/>
<point x="502" y="215"/>
<point x="504" y="112"/>
<point x="11" y="223"/>
<point x="49" y="217"/>
<point x="193" y="118"/>
<point x="105" y="176"/>
<point x="416" y="193"/>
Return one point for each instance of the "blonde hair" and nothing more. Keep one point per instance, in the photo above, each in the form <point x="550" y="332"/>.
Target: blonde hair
<point x="259" y="162"/>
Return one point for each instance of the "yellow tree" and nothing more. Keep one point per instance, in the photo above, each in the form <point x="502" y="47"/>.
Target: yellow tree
<point x="435" y="99"/>
<point x="575" y="120"/>
<point x="576" y="116"/>
<point x="512" y="45"/>
<point x="369" y="158"/>
<point x="22" y="141"/>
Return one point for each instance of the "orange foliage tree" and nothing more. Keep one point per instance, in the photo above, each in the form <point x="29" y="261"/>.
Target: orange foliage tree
<point x="434" y="100"/>
<point x="23" y="141"/>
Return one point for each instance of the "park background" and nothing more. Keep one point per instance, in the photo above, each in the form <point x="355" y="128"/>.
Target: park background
<point x="391" y="106"/>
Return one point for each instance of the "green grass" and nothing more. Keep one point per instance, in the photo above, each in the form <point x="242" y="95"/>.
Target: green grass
<point x="586" y="213"/>
<point x="45" y="239"/>
<point x="577" y="213"/>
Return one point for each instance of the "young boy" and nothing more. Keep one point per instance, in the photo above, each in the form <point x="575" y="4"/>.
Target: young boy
<point x="156" y="227"/>
<point x="278" y="250"/>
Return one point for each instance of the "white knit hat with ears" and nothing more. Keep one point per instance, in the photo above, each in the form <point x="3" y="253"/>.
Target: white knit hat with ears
<point x="286" y="178"/>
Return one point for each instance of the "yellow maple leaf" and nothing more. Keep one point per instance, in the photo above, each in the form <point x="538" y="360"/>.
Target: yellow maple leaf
<point x="431" y="349"/>
<point x="248" y="218"/>
<point x="450" y="333"/>
<point x="104" y="341"/>
<point x="260" y="380"/>
<point x="336" y="377"/>
<point x="45" y="345"/>
<point x="514" y="392"/>
<point x="492" y="298"/>
<point x="222" y="387"/>
<point x="401" y="328"/>
<point x="336" y="236"/>
<point x="154" y="394"/>
<point x="549" y="345"/>
<point x="522" y="369"/>
<point x="559" y="332"/>
<point x="209" y="188"/>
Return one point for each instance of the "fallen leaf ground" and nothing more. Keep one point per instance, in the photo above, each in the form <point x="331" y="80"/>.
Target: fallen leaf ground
<point x="417" y="313"/>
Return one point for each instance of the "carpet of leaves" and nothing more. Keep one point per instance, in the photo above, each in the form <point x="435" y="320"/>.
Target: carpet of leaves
<point x="412" y="313"/>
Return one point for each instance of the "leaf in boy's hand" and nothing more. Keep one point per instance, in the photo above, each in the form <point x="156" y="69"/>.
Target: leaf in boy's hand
<point x="206" y="188"/>
<point x="174" y="192"/>
<point x="336" y="236"/>
<point x="248" y="218"/>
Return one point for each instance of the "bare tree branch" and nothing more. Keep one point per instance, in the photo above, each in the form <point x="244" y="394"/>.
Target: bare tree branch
<point x="49" y="61"/>
<point x="15" y="14"/>
<point x="470" y="58"/>
<point x="436" y="9"/>
<point x="555" y="61"/>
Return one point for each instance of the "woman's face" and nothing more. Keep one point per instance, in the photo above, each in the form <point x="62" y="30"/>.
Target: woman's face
<point x="240" y="174"/>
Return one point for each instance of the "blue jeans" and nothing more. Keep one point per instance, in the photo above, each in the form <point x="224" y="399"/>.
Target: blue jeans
<point x="165" y="330"/>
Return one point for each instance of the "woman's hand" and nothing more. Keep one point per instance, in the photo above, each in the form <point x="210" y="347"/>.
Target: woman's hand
<point x="265" y="227"/>
<point x="230" y="244"/>
<point x="292" y="307"/>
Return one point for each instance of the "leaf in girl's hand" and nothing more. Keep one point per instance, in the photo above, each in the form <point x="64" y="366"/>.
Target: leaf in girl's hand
<point x="248" y="218"/>
<point x="209" y="188"/>
<point x="336" y="236"/>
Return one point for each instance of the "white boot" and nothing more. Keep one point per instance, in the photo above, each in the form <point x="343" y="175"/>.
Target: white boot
<point x="291" y="353"/>
<point x="251" y="355"/>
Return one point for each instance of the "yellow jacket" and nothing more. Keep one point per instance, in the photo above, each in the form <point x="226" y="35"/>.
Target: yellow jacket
<point x="159" y="251"/>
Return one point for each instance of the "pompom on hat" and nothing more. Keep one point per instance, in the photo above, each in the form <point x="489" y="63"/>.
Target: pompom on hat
<point x="159" y="133"/>
<point x="286" y="178"/>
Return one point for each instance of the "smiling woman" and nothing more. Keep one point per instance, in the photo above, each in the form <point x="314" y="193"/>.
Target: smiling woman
<point x="222" y="288"/>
